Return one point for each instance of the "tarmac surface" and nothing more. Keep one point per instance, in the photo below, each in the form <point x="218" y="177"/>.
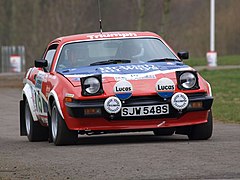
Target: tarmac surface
<point x="115" y="156"/>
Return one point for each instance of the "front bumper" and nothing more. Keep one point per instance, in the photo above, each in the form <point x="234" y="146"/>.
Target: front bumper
<point x="76" y="108"/>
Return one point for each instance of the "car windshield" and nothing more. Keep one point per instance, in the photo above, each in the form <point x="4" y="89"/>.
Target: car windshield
<point x="113" y="51"/>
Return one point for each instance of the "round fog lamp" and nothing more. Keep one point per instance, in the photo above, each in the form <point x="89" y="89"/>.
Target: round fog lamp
<point x="179" y="101"/>
<point x="112" y="105"/>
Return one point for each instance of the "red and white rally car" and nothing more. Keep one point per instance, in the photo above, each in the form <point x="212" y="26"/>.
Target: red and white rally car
<point x="113" y="82"/>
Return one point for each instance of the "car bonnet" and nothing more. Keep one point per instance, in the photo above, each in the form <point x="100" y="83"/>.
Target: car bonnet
<point x="117" y="72"/>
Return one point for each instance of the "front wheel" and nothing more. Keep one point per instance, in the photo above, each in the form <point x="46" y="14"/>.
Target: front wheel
<point x="202" y="131"/>
<point x="60" y="133"/>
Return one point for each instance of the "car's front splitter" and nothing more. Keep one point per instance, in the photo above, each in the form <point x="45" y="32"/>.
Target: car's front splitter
<point x="77" y="108"/>
<point x="76" y="120"/>
<point x="101" y="124"/>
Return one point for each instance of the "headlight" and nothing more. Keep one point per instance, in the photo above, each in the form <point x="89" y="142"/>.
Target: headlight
<point x="91" y="85"/>
<point x="187" y="80"/>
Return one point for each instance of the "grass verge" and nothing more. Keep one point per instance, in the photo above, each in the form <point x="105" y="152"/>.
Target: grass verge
<point x="221" y="60"/>
<point x="226" y="92"/>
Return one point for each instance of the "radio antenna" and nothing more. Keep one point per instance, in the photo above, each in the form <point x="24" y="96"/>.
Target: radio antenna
<point x="100" y="17"/>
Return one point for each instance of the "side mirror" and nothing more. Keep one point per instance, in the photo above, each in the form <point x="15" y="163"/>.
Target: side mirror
<point x="183" y="55"/>
<point x="41" y="63"/>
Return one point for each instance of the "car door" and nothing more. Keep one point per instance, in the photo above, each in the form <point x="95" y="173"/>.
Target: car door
<point x="42" y="86"/>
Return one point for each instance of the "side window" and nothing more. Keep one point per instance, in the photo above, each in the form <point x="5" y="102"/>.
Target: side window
<point x="50" y="55"/>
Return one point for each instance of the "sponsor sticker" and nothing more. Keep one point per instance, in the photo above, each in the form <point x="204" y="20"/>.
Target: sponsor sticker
<point x="179" y="101"/>
<point x="133" y="68"/>
<point x="111" y="35"/>
<point x="123" y="89"/>
<point x="40" y="78"/>
<point x="69" y="95"/>
<point x="165" y="87"/>
<point x="112" y="105"/>
<point x="134" y="77"/>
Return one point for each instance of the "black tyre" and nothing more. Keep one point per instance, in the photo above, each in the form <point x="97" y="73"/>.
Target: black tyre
<point x="60" y="133"/>
<point x="164" y="132"/>
<point x="202" y="131"/>
<point x="35" y="131"/>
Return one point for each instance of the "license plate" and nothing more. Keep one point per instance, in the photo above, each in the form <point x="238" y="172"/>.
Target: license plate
<point x="145" y="110"/>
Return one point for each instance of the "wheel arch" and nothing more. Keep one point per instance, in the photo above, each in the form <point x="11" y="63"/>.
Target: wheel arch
<point x="209" y="89"/>
<point x="28" y="96"/>
<point x="51" y="98"/>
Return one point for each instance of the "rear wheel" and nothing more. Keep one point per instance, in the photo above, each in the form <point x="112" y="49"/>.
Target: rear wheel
<point x="35" y="131"/>
<point x="202" y="131"/>
<point x="60" y="133"/>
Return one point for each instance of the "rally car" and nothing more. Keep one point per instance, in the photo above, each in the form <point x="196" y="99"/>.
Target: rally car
<point x="111" y="82"/>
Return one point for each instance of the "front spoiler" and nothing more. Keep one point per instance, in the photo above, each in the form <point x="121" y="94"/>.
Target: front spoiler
<point x="76" y="109"/>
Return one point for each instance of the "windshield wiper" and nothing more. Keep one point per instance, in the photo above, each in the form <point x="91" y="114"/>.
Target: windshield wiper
<point x="163" y="60"/>
<point x="65" y="70"/>
<point x="111" y="61"/>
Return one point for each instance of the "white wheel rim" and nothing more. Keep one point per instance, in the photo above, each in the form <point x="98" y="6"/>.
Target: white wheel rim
<point x="54" y="123"/>
<point x="27" y="118"/>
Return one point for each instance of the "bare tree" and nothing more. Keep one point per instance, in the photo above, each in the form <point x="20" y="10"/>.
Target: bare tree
<point x="165" y="18"/>
<point x="141" y="9"/>
<point x="185" y="24"/>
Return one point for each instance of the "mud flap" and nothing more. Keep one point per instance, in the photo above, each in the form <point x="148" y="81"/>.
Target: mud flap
<point x="23" y="131"/>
